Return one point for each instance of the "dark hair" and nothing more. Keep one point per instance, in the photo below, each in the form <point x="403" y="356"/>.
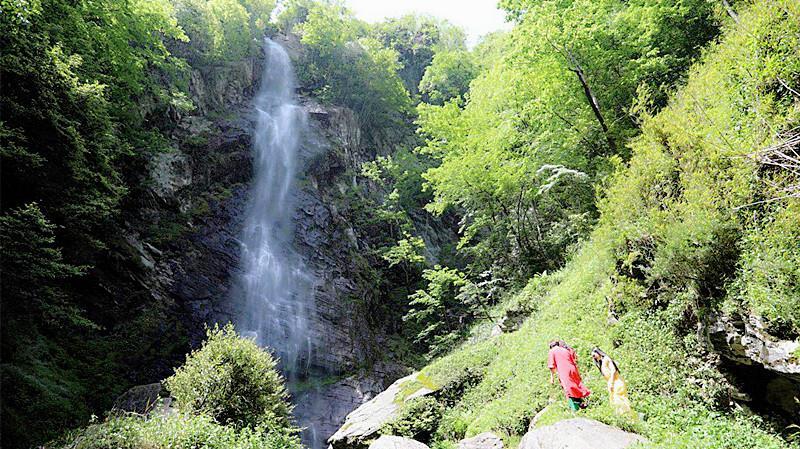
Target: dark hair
<point x="561" y="343"/>
<point x="599" y="363"/>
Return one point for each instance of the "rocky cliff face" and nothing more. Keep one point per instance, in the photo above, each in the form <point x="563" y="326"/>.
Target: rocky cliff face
<point x="199" y="193"/>
<point x="765" y="369"/>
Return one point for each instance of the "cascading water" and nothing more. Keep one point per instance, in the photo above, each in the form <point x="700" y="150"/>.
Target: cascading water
<point x="276" y="285"/>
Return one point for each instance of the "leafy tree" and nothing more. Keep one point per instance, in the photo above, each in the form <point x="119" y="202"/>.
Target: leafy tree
<point x="559" y="93"/>
<point x="34" y="270"/>
<point x="408" y="254"/>
<point x="490" y="50"/>
<point x="292" y="13"/>
<point x="408" y="250"/>
<point x="436" y="311"/>
<point x="343" y="65"/>
<point x="416" y="39"/>
<point x="448" y="76"/>
<point x="233" y="381"/>
<point x="223" y="30"/>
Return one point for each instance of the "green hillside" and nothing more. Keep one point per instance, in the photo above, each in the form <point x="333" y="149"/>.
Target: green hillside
<point x="691" y="226"/>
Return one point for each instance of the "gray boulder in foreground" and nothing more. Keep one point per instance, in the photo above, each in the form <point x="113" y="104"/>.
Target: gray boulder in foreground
<point x="579" y="433"/>
<point x="485" y="440"/>
<point x="392" y="442"/>
<point x="363" y="423"/>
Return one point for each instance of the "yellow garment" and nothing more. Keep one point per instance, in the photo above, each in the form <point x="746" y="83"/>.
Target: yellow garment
<point x="617" y="391"/>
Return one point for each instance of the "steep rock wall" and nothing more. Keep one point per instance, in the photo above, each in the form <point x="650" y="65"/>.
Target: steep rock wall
<point x="198" y="195"/>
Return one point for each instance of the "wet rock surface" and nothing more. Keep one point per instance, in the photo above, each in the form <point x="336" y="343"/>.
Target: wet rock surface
<point x="199" y="192"/>
<point x="331" y="404"/>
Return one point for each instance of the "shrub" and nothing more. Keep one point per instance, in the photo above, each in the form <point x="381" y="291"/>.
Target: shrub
<point x="174" y="432"/>
<point x="417" y="420"/>
<point x="770" y="271"/>
<point x="233" y="381"/>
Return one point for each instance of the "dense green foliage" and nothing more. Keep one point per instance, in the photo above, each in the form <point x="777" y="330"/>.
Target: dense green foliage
<point x="173" y="432"/>
<point x="90" y="90"/>
<point x="233" y="381"/>
<point x="230" y="397"/>
<point x="689" y="227"/>
<point x="769" y="279"/>
<point x="344" y="64"/>
<point x="418" y="420"/>
<point x="447" y="77"/>
<point x="599" y="168"/>
<point x="541" y="123"/>
<point x="223" y="30"/>
<point x="417" y="41"/>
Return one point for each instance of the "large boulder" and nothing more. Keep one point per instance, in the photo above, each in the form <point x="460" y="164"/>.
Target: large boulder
<point x="393" y="442"/>
<point x="363" y="423"/>
<point x="486" y="440"/>
<point x="579" y="433"/>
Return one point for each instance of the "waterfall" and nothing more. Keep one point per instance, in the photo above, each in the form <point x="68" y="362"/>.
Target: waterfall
<point x="276" y="286"/>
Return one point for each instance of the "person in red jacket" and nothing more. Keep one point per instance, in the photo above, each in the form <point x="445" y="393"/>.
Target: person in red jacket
<point x="563" y="360"/>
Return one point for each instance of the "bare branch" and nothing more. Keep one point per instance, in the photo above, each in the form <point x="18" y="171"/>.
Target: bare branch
<point x="783" y="157"/>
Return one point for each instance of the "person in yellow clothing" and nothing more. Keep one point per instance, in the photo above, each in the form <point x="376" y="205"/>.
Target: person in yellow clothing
<point x="617" y="391"/>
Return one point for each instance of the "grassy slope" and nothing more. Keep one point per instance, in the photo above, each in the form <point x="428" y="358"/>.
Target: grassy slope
<point x="671" y="246"/>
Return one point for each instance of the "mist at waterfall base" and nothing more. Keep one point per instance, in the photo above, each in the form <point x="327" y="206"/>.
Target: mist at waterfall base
<point x="276" y="288"/>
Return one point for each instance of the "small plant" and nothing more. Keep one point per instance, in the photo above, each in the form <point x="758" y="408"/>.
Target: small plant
<point x="233" y="381"/>
<point x="418" y="419"/>
<point x="173" y="431"/>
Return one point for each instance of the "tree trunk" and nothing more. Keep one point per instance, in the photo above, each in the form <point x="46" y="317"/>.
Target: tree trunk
<point x="590" y="97"/>
<point x="730" y="11"/>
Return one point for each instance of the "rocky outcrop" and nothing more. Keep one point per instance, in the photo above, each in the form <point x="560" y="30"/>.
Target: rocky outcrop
<point x="364" y="423"/>
<point x="746" y="342"/>
<point x="765" y="369"/>
<point x="330" y="404"/>
<point x="579" y="433"/>
<point x="486" y="440"/>
<point x="393" y="442"/>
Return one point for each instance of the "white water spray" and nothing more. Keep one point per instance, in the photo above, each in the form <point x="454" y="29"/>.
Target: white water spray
<point x="276" y="285"/>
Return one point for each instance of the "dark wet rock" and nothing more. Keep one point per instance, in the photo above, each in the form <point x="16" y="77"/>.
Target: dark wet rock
<point x="364" y="423"/>
<point x="331" y="403"/>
